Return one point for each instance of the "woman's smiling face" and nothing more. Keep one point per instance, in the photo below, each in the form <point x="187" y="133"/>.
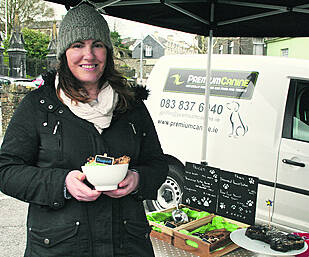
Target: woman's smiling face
<point x="86" y="60"/>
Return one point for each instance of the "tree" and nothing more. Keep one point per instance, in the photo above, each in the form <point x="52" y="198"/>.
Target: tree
<point x="115" y="37"/>
<point x="27" y="11"/>
<point x="117" y="40"/>
<point x="202" y="43"/>
<point x="36" y="43"/>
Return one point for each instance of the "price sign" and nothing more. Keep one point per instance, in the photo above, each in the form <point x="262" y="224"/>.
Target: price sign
<point x="228" y="194"/>
<point x="237" y="196"/>
<point x="201" y="187"/>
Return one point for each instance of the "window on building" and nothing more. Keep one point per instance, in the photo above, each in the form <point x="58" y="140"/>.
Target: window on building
<point x="221" y="49"/>
<point x="230" y="49"/>
<point x="148" y="51"/>
<point x="285" y="52"/>
<point x="258" y="45"/>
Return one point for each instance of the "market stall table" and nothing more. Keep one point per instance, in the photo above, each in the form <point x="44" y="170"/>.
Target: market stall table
<point x="163" y="249"/>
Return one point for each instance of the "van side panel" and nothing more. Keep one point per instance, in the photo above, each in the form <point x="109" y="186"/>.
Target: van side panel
<point x="244" y="132"/>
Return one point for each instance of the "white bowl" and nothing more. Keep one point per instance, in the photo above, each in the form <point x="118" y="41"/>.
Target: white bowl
<point x="105" y="178"/>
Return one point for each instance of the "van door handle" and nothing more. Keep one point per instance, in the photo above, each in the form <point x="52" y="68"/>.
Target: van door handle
<point x="299" y="164"/>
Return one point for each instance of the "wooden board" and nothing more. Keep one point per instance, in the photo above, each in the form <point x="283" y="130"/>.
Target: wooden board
<point x="180" y="241"/>
<point x="167" y="234"/>
<point x="162" y="236"/>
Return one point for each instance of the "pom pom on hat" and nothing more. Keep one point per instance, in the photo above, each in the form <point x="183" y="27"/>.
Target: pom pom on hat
<point x="82" y="22"/>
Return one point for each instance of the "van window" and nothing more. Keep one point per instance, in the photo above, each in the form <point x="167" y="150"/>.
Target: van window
<point x="296" y="121"/>
<point x="301" y="118"/>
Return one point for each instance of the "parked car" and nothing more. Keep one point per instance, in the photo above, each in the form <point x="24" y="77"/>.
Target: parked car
<point x="18" y="81"/>
<point x="38" y="81"/>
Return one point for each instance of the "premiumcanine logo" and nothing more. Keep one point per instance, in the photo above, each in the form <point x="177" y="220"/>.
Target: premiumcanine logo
<point x="233" y="84"/>
<point x="177" y="80"/>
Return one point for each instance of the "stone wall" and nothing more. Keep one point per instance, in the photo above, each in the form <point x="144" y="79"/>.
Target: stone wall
<point x="11" y="96"/>
<point x="148" y="65"/>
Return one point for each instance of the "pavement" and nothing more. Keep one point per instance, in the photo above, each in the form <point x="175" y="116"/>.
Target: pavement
<point x="13" y="215"/>
<point x="12" y="226"/>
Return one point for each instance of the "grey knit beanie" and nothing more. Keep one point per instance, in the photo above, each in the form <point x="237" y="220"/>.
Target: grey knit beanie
<point x="82" y="22"/>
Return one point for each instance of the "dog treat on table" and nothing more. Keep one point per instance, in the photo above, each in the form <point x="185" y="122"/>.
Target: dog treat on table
<point x="277" y="240"/>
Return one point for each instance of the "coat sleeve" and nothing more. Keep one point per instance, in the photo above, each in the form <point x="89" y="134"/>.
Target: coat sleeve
<point x="19" y="176"/>
<point x="152" y="165"/>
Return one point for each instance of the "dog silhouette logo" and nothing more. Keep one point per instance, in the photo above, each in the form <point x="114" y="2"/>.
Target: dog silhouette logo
<point x="238" y="126"/>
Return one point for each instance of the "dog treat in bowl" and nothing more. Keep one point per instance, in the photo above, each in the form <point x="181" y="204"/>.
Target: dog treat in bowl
<point x="102" y="160"/>
<point x="122" y="160"/>
<point x="104" y="172"/>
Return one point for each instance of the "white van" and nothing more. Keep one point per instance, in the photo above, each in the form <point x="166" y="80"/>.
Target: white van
<point x="258" y="125"/>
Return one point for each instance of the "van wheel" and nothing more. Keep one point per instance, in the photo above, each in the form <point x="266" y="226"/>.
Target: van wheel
<point x="170" y="191"/>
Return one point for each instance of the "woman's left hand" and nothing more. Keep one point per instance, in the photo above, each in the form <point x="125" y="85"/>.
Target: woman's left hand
<point x="126" y="186"/>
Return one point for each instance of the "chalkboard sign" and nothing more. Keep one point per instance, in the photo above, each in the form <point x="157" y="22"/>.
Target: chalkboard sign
<point x="237" y="196"/>
<point x="201" y="187"/>
<point x="228" y="194"/>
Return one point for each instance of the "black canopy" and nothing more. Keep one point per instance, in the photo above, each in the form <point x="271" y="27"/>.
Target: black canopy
<point x="241" y="18"/>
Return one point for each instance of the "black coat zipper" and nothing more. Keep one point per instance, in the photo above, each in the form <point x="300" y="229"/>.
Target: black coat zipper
<point x="57" y="132"/>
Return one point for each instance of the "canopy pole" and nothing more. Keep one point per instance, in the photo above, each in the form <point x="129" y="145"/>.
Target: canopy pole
<point x="207" y="89"/>
<point x="206" y="102"/>
<point x="141" y="60"/>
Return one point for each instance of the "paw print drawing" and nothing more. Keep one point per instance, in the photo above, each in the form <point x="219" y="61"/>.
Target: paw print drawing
<point x="194" y="198"/>
<point x="225" y="186"/>
<point x="212" y="172"/>
<point x="250" y="203"/>
<point x="222" y="205"/>
<point x="233" y="207"/>
<point x="251" y="180"/>
<point x="207" y="201"/>
<point x="241" y="209"/>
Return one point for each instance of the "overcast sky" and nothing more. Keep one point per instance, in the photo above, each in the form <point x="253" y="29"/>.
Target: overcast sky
<point x="131" y="29"/>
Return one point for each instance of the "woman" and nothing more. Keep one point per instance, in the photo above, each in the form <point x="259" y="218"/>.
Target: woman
<point x="83" y="110"/>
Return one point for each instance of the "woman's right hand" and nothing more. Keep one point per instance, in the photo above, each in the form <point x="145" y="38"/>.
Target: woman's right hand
<point x="78" y="189"/>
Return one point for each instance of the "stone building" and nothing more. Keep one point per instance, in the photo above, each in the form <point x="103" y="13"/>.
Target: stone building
<point x="155" y="47"/>
<point x="46" y="27"/>
<point x="239" y="45"/>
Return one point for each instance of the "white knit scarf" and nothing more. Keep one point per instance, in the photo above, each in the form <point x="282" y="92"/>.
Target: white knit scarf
<point x="99" y="112"/>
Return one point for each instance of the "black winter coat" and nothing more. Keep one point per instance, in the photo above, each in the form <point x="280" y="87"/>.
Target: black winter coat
<point x="43" y="143"/>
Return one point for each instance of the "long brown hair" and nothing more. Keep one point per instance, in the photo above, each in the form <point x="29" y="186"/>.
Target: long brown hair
<point x="73" y="88"/>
